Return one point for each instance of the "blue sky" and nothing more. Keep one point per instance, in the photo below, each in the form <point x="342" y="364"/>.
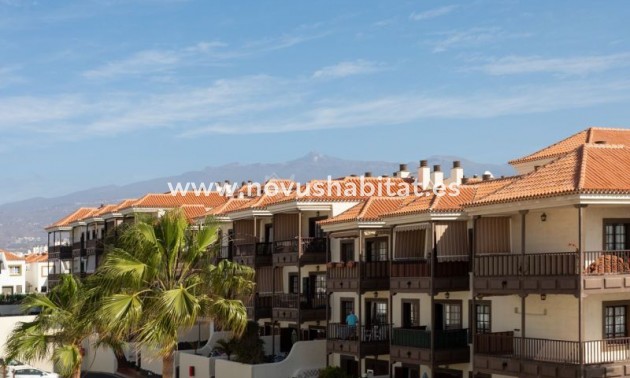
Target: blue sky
<point x="98" y="92"/>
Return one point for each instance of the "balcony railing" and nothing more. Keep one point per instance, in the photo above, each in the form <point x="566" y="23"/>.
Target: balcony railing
<point x="316" y="301"/>
<point x="531" y="264"/>
<point x="285" y="246"/>
<point x="60" y="252"/>
<point x="314" y="245"/>
<point x="350" y="270"/>
<point x="607" y="262"/>
<point x="259" y="306"/>
<point x="422" y="268"/>
<point x="264" y="249"/>
<point x="245" y="249"/>
<point x="557" y="351"/>
<point x="420" y="338"/>
<point x="365" y="334"/>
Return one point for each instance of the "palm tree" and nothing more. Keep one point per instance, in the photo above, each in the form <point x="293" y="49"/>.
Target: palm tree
<point x="59" y="328"/>
<point x="226" y="347"/>
<point x="161" y="277"/>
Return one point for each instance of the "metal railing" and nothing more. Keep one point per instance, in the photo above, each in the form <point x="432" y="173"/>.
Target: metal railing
<point x="421" y="338"/>
<point x="377" y="333"/>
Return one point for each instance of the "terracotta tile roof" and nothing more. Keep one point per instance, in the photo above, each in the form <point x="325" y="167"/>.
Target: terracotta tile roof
<point x="429" y="202"/>
<point x="368" y="210"/>
<point x="232" y="204"/>
<point x="77" y="215"/>
<point x="591" y="168"/>
<point x="36" y="258"/>
<point x="167" y="200"/>
<point x="106" y="209"/>
<point x="10" y="256"/>
<point x="193" y="212"/>
<point x="590" y="135"/>
<point x="123" y="205"/>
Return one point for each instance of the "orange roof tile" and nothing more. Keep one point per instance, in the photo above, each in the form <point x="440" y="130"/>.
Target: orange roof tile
<point x="193" y="211"/>
<point x="368" y="210"/>
<point x="36" y="258"/>
<point x="232" y="204"/>
<point x="167" y="200"/>
<point x="77" y="215"/>
<point x="105" y="209"/>
<point x="10" y="256"/>
<point x="590" y="135"/>
<point x="592" y="168"/>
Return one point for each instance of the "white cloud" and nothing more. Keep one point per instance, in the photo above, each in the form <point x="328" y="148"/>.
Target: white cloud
<point x="152" y="61"/>
<point x="432" y="13"/>
<point x="348" y="68"/>
<point x="582" y="65"/>
<point x="472" y="37"/>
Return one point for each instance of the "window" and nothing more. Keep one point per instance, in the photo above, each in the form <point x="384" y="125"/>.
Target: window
<point x="482" y="314"/>
<point x="615" y="235"/>
<point x="376" y="312"/>
<point x="319" y="284"/>
<point x="448" y="315"/>
<point x="44" y="271"/>
<point x="7" y="290"/>
<point x="314" y="229"/>
<point x="410" y="313"/>
<point x="293" y="283"/>
<point x="15" y="270"/>
<point x="347" y="305"/>
<point x="615" y="319"/>
<point x="18" y="289"/>
<point x="376" y="249"/>
<point x="347" y="250"/>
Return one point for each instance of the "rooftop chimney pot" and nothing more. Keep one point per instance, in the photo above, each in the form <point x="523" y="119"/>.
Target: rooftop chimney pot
<point x="403" y="167"/>
<point x="457" y="164"/>
<point x="437" y="168"/>
<point x="368" y="174"/>
<point x="424" y="163"/>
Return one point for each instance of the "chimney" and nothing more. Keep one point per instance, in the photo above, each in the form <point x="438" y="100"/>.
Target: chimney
<point x="402" y="172"/>
<point x="424" y="174"/>
<point x="457" y="173"/>
<point x="465" y="180"/>
<point x="368" y="174"/>
<point x="437" y="177"/>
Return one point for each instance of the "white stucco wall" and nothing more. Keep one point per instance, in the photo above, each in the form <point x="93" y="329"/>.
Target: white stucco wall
<point x="305" y="355"/>
<point x="7" y="324"/>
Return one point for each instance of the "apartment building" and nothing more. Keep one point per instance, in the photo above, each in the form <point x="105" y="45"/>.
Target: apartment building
<point x="36" y="276"/>
<point x="523" y="276"/>
<point x="76" y="243"/>
<point x="12" y="273"/>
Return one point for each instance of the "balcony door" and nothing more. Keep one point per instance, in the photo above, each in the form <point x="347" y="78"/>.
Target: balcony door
<point x="347" y="250"/>
<point x="349" y="365"/>
<point x="376" y="249"/>
<point x="407" y="371"/>
<point x="448" y="315"/>
<point x="314" y="229"/>
<point x="410" y="313"/>
<point x="376" y="313"/>
<point x="269" y="233"/>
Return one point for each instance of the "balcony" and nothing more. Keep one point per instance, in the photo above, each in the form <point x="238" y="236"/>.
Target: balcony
<point x="94" y="247"/>
<point x="550" y="273"/>
<point x="555" y="273"/>
<point x="358" y="276"/>
<point x="60" y="252"/>
<point x="259" y="307"/>
<point x="225" y="252"/>
<point x="78" y="249"/>
<point x="311" y="307"/>
<point x="413" y="346"/>
<point x="286" y="252"/>
<point x="502" y="353"/>
<point x="253" y="254"/>
<point x="415" y="276"/>
<point x="360" y="341"/>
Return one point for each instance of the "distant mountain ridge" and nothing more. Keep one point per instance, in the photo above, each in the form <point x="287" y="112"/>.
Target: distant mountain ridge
<point x="22" y="222"/>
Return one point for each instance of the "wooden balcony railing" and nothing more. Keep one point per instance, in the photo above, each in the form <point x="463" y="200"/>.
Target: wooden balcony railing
<point x="245" y="249"/>
<point x="350" y="270"/>
<point x="62" y="252"/>
<point x="531" y="264"/>
<point x="420" y="338"/>
<point x="365" y="334"/>
<point x="422" y="268"/>
<point x="556" y="351"/>
<point x="259" y="306"/>
<point x="314" y="245"/>
<point x="285" y="246"/>
<point x="264" y="249"/>
<point x="306" y="302"/>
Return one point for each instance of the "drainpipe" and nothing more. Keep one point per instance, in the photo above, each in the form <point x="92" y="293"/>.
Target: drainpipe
<point x="361" y="320"/>
<point x="299" y="297"/>
<point x="522" y="279"/>
<point x="580" y="209"/>
<point x="473" y="254"/>
<point x="432" y="291"/>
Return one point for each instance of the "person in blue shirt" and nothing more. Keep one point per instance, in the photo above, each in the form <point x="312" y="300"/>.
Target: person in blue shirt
<point x="351" y="322"/>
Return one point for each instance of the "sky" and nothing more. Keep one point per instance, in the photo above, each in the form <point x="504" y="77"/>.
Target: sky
<point x="100" y="92"/>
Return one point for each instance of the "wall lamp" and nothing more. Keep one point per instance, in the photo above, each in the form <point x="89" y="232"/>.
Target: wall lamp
<point x="543" y="297"/>
<point x="543" y="217"/>
<point x="447" y="295"/>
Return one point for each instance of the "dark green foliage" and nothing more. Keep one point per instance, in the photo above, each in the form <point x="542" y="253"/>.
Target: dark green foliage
<point x="333" y="372"/>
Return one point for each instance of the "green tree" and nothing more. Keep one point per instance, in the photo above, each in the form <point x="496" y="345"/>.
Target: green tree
<point x="226" y="347"/>
<point x="249" y="348"/>
<point x="161" y="276"/>
<point x="63" y="323"/>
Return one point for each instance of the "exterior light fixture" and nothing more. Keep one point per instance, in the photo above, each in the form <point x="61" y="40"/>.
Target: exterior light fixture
<point x="543" y="217"/>
<point x="376" y="294"/>
<point x="543" y="297"/>
<point x="447" y="295"/>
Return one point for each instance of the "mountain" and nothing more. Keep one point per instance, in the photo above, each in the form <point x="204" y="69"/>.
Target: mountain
<point x="22" y="222"/>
